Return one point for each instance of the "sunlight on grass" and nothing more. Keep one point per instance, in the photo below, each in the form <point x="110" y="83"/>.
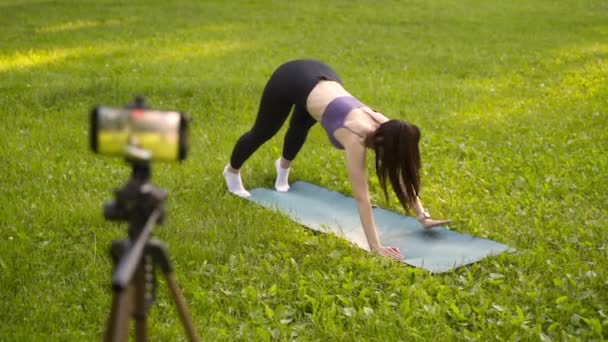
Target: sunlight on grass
<point x="181" y="52"/>
<point x="75" y="25"/>
<point x="163" y="54"/>
<point x="21" y="60"/>
<point x="579" y="73"/>
<point x="587" y="79"/>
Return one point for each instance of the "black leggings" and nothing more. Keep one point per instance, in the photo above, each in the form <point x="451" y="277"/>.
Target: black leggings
<point x="288" y="87"/>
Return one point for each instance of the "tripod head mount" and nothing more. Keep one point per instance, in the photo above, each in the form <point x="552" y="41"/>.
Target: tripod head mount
<point x="138" y="198"/>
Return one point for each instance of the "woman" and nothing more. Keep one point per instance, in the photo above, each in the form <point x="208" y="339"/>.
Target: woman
<point x="316" y="92"/>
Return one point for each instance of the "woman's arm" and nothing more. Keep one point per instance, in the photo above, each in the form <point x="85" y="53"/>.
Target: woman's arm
<point x="355" y="164"/>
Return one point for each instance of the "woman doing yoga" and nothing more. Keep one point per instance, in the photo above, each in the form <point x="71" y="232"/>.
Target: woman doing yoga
<point x="315" y="92"/>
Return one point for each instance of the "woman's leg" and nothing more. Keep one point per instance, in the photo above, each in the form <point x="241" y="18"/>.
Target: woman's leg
<point x="272" y="114"/>
<point x="290" y="84"/>
<point x="273" y="111"/>
<point x="299" y="125"/>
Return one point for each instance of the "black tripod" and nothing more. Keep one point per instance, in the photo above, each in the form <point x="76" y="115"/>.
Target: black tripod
<point x="140" y="203"/>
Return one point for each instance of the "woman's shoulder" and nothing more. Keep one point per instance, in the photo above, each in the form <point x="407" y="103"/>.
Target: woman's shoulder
<point x="375" y="115"/>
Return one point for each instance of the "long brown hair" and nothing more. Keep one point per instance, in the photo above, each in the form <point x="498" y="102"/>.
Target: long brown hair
<point x="398" y="159"/>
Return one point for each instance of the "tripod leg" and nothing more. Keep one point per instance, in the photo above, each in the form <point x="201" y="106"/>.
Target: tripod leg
<point x="140" y="313"/>
<point x="180" y="303"/>
<point x="157" y="250"/>
<point x="118" y="322"/>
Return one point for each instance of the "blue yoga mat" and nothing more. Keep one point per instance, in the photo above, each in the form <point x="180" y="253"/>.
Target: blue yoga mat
<point x="437" y="250"/>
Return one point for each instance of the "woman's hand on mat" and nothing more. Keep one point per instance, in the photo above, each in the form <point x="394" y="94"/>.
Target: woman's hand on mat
<point x="390" y="251"/>
<point x="430" y="223"/>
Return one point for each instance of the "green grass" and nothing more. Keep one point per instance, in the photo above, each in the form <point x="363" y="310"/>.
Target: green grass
<point x="511" y="98"/>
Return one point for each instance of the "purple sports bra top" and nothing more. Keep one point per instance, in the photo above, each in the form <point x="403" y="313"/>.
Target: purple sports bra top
<point x="335" y="114"/>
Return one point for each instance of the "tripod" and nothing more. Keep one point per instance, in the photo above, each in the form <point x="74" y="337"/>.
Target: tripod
<point x="140" y="203"/>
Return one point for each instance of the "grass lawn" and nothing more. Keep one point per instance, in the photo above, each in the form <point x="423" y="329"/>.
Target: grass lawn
<point x="512" y="100"/>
